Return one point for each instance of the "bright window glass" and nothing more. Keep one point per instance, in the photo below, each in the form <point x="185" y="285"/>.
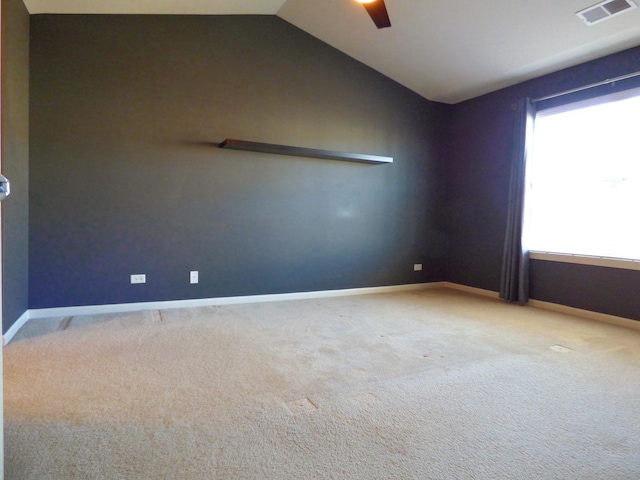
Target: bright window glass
<point x="583" y="179"/>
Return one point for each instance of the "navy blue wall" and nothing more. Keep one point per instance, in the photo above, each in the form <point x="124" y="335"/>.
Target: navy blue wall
<point x="482" y="131"/>
<point x="123" y="179"/>
<point x="15" y="160"/>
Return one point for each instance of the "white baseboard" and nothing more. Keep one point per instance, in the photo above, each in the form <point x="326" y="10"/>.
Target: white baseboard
<point x="207" y="302"/>
<point x="554" y="307"/>
<point x="591" y="315"/>
<point x="18" y="324"/>
<point x="474" y="290"/>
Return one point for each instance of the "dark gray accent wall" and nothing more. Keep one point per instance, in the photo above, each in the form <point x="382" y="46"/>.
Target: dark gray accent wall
<point x="15" y="160"/>
<point x="124" y="178"/>
<point x="482" y="131"/>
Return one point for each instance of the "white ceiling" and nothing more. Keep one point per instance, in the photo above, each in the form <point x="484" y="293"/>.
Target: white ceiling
<point x="445" y="50"/>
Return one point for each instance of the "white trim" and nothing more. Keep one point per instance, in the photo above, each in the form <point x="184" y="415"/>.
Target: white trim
<point x="17" y="325"/>
<point x="206" y="302"/>
<point x="591" y="315"/>
<point x="624" y="263"/>
<point x="554" y="307"/>
<point x="473" y="290"/>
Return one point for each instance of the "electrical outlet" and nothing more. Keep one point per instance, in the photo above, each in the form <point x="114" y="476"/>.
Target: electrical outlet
<point x="193" y="276"/>
<point x="139" y="278"/>
<point x="417" y="267"/>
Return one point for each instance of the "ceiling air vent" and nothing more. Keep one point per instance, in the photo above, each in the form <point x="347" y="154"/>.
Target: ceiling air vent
<point x="605" y="10"/>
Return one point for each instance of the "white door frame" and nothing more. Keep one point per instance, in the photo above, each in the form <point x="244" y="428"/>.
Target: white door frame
<point x="1" y="221"/>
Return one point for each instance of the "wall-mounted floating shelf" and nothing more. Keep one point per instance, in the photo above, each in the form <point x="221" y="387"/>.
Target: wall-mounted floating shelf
<point x="302" y="152"/>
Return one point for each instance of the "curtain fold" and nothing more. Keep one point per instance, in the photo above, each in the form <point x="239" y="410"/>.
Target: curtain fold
<point x="514" y="283"/>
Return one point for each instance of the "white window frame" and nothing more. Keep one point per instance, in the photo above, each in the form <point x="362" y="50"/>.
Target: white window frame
<point x="623" y="263"/>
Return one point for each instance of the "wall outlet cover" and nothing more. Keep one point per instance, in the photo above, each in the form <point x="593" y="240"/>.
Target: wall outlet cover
<point x="139" y="278"/>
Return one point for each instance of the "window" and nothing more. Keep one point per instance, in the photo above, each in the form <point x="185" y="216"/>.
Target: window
<point x="583" y="178"/>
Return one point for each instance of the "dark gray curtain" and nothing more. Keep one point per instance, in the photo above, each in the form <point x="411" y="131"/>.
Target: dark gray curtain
<point x="514" y="283"/>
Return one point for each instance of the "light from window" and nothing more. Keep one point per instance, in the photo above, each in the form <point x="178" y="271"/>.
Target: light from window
<point x="583" y="179"/>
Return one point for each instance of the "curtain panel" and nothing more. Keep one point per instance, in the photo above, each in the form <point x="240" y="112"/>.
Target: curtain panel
<point x="514" y="283"/>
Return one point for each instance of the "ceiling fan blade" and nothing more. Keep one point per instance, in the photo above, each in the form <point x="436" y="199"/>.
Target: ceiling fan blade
<point x="378" y="13"/>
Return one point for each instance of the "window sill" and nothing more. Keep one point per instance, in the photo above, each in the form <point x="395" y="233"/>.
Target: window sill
<point x="623" y="263"/>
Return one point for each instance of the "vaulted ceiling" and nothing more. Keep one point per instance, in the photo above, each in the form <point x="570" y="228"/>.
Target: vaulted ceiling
<point x="445" y="50"/>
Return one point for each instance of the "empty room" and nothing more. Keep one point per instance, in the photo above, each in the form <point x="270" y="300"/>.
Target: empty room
<point x="283" y="239"/>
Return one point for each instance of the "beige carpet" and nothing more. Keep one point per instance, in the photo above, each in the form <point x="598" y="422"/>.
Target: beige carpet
<point x="418" y="385"/>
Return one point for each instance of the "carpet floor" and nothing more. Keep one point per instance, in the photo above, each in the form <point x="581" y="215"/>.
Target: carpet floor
<point x="432" y="384"/>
